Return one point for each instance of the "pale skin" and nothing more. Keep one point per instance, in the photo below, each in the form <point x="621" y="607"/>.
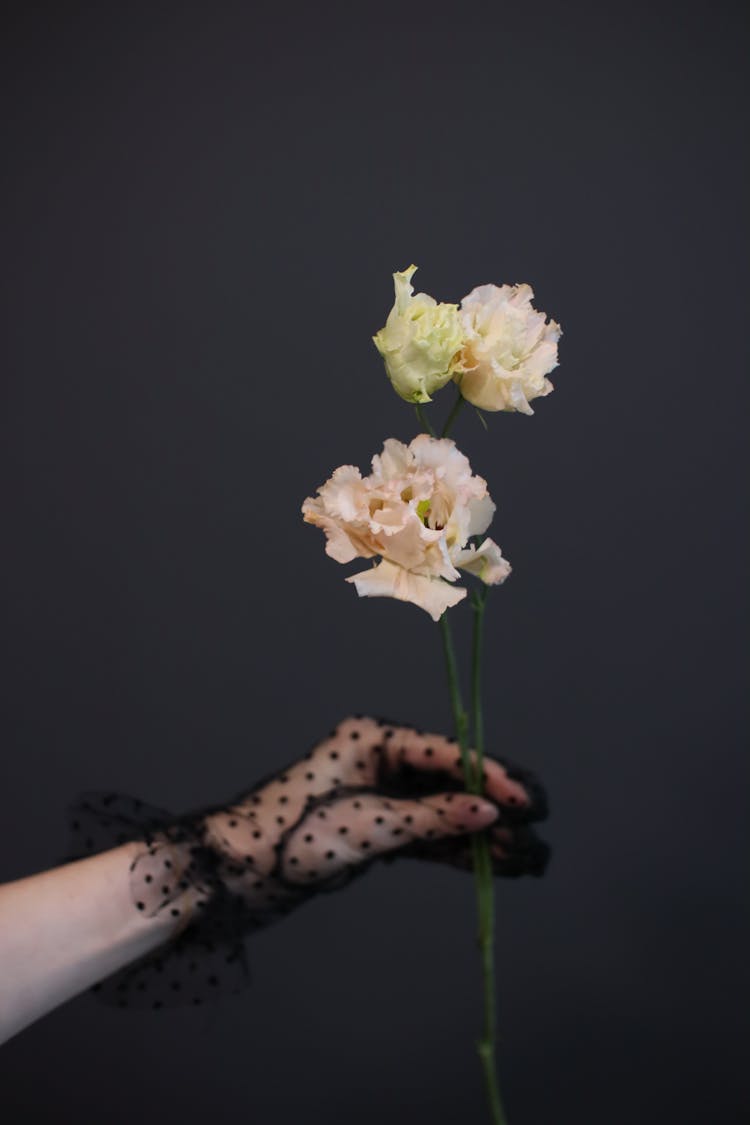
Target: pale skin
<point x="63" y="930"/>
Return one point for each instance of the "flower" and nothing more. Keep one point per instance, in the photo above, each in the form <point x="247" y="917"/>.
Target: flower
<point x="508" y="349"/>
<point x="416" y="512"/>
<point x="420" y="343"/>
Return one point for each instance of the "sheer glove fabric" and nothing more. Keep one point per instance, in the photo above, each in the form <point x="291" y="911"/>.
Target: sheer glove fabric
<point x="372" y="790"/>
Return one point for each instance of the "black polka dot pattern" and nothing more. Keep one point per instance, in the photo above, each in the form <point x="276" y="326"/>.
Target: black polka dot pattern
<point x="372" y="790"/>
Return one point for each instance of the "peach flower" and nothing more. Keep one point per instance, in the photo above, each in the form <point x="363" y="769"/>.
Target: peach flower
<point x="415" y="512"/>
<point x="509" y="348"/>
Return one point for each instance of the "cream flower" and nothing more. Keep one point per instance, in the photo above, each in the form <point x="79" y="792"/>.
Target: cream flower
<point x="508" y="350"/>
<point x="420" y="342"/>
<point x="416" y="512"/>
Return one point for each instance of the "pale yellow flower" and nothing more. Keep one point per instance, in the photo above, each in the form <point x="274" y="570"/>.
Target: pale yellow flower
<point x="415" y="512"/>
<point x="509" y="348"/>
<point x="420" y="342"/>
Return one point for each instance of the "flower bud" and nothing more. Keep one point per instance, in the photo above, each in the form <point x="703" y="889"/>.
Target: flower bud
<point x="420" y="343"/>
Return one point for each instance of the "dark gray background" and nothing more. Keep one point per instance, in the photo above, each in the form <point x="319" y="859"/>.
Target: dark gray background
<point x="202" y="207"/>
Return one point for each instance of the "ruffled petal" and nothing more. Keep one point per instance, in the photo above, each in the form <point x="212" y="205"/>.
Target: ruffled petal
<point x="394" y="462"/>
<point x="386" y="580"/>
<point x="486" y="562"/>
<point x="407" y="547"/>
<point x="480" y="515"/>
<point x="341" y="543"/>
<point x="343" y="496"/>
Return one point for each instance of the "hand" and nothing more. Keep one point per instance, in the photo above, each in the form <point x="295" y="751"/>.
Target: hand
<point x="371" y="790"/>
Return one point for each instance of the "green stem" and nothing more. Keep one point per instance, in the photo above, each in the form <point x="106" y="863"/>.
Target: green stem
<point x="484" y="878"/>
<point x="460" y="717"/>
<point x="423" y="420"/>
<point x="481" y="859"/>
<point x="479" y="600"/>
<point x="456" y="410"/>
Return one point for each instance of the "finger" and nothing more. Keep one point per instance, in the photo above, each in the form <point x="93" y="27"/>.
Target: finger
<point x="523" y="853"/>
<point x="362" y="751"/>
<point x="343" y="759"/>
<point x="518" y="852"/>
<point x="367" y="752"/>
<point x="346" y="758"/>
<point x="409" y="753"/>
<point x="354" y="830"/>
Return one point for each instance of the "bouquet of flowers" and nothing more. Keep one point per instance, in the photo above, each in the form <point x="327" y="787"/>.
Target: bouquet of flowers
<point x="421" y="514"/>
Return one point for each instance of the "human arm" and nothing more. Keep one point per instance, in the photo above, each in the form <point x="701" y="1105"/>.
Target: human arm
<point x="64" y="929"/>
<point x="370" y="790"/>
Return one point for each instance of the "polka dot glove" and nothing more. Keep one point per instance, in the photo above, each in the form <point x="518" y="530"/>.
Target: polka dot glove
<point x="371" y="790"/>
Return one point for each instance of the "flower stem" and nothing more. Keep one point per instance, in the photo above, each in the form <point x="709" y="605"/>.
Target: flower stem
<point x="460" y="717"/>
<point x="484" y="878"/>
<point x="482" y="862"/>
<point x="423" y="420"/>
<point x="478" y="603"/>
<point x="455" y="411"/>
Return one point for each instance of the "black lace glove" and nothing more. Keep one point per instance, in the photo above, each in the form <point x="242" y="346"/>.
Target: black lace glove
<point x="371" y="790"/>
